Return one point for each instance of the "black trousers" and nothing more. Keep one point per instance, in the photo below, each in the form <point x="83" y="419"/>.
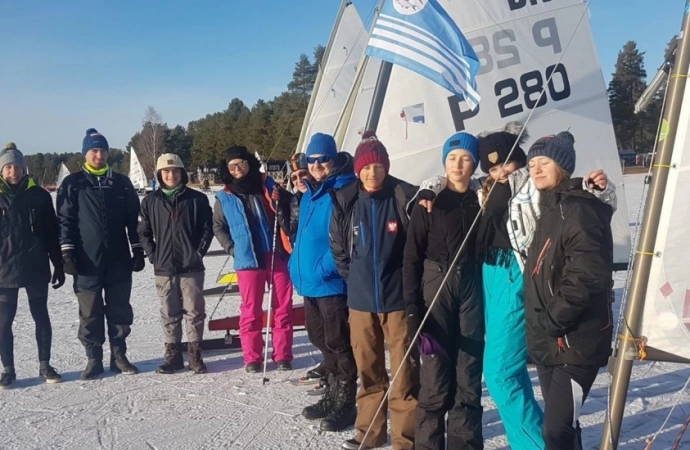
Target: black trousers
<point x="328" y="328"/>
<point x="564" y="389"/>
<point x="452" y="383"/>
<point x="111" y="304"/>
<point x="38" y="304"/>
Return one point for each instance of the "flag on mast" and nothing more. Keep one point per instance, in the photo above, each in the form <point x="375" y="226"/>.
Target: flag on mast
<point x="420" y="36"/>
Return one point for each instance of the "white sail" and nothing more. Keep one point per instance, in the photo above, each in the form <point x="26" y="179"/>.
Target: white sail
<point x="365" y="95"/>
<point x="136" y="172"/>
<point x="62" y="174"/>
<point x="338" y="74"/>
<point x="666" y="318"/>
<point x="519" y="45"/>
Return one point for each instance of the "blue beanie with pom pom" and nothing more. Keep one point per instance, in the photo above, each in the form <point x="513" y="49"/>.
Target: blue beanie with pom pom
<point x="94" y="139"/>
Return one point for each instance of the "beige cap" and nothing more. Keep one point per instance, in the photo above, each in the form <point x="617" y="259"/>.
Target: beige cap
<point x="169" y="161"/>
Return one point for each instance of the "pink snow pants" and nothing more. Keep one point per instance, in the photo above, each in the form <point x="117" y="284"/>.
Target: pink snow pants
<point x="252" y="284"/>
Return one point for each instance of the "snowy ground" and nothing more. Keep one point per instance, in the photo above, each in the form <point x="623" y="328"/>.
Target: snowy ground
<point x="230" y="409"/>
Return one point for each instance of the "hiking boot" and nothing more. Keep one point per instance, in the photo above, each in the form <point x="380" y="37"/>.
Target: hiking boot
<point x="353" y="444"/>
<point x="324" y="406"/>
<point x="7" y="378"/>
<point x="283" y="365"/>
<point x="344" y="411"/>
<point x="94" y="366"/>
<point x="254" y="367"/>
<point x="196" y="363"/>
<point x="317" y="372"/>
<point x="49" y="374"/>
<point x="173" y="359"/>
<point x="120" y="364"/>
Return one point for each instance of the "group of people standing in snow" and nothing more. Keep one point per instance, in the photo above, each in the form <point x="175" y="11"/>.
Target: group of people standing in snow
<point x="460" y="277"/>
<point x="408" y="268"/>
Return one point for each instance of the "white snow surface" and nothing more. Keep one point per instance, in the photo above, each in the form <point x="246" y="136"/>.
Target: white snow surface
<point x="228" y="408"/>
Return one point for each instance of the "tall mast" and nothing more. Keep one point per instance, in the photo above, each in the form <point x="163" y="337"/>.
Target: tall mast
<point x="646" y="245"/>
<point x="305" y="125"/>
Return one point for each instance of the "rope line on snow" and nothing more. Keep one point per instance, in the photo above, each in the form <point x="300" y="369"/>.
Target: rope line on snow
<point x="676" y="443"/>
<point x="651" y="440"/>
<point x="469" y="233"/>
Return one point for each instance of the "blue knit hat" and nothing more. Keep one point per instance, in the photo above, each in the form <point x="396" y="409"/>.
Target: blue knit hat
<point x="94" y="139"/>
<point x="322" y="144"/>
<point x="462" y="141"/>
<point x="560" y="148"/>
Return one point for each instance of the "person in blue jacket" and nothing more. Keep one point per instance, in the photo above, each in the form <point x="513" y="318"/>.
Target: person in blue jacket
<point x="316" y="278"/>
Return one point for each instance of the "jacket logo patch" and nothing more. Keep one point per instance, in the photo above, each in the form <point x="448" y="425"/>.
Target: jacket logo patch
<point x="355" y="230"/>
<point x="139" y="218"/>
<point x="493" y="157"/>
<point x="392" y="226"/>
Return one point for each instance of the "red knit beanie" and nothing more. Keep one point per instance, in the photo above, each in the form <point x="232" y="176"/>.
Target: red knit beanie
<point x="369" y="151"/>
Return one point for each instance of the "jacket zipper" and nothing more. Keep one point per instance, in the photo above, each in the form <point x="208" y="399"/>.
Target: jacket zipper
<point x="375" y="255"/>
<point x="103" y="211"/>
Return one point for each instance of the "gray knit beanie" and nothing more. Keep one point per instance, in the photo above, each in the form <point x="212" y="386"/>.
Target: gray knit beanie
<point x="10" y="155"/>
<point x="560" y="148"/>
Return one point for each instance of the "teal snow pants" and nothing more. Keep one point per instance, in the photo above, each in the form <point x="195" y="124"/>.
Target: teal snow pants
<point x="505" y="357"/>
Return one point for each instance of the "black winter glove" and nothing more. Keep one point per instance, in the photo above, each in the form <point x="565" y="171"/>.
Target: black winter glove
<point x="414" y="322"/>
<point x="280" y="195"/>
<point x="138" y="259"/>
<point x="69" y="264"/>
<point x="58" y="277"/>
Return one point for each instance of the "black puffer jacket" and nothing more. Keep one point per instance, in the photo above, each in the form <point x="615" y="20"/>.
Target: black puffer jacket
<point x="98" y="220"/>
<point x="28" y="235"/>
<point x="176" y="231"/>
<point x="367" y="235"/>
<point x="568" y="279"/>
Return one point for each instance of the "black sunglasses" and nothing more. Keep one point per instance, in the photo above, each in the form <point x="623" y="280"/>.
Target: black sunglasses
<point x="321" y="159"/>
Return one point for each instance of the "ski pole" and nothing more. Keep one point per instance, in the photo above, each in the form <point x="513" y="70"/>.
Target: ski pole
<point x="265" y="380"/>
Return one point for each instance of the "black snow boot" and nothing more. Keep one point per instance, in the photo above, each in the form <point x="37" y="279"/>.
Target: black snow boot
<point x="119" y="362"/>
<point x="173" y="359"/>
<point x="344" y="411"/>
<point x="324" y="406"/>
<point x="7" y="378"/>
<point x="94" y="366"/>
<point x="196" y="363"/>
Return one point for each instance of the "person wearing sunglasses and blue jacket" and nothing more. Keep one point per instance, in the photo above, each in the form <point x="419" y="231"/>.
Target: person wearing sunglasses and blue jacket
<point x="316" y="278"/>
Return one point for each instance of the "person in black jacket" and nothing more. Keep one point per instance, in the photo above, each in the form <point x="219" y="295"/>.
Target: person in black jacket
<point x="568" y="282"/>
<point x="452" y="338"/>
<point x="98" y="211"/>
<point x="28" y="227"/>
<point x="175" y="230"/>
<point x="368" y="232"/>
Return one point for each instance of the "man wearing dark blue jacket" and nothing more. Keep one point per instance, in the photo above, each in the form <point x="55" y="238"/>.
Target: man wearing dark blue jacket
<point x="98" y="211"/>
<point x="368" y="232"/>
<point x="316" y="278"/>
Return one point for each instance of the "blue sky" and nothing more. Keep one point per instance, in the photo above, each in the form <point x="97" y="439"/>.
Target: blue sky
<point x="69" y="65"/>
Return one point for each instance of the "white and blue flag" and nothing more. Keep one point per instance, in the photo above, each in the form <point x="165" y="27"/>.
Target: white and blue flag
<point x="420" y="35"/>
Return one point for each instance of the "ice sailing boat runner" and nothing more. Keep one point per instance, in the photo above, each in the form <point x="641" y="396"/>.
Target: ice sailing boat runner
<point x="62" y="174"/>
<point x="657" y="316"/>
<point x="136" y="172"/>
<point x="520" y="45"/>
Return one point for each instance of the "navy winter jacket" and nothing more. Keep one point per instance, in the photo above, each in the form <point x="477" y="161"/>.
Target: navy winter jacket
<point x="98" y="218"/>
<point x="368" y="233"/>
